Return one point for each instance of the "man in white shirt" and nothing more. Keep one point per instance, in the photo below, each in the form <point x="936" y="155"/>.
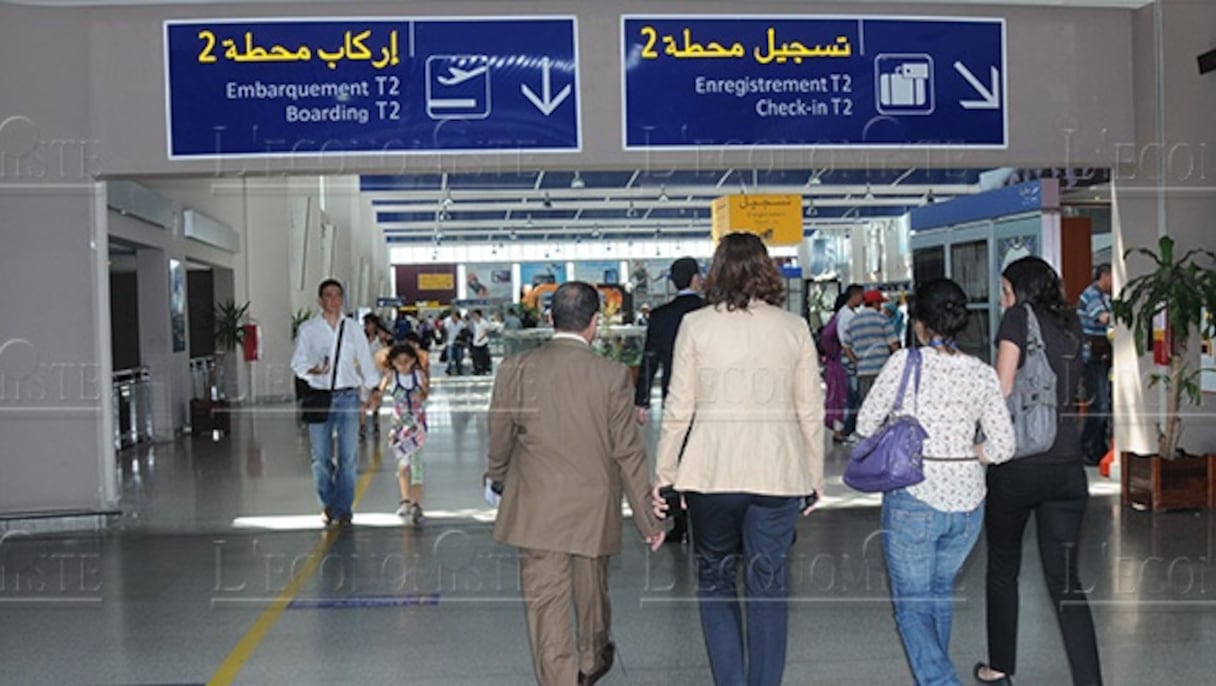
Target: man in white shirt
<point x="452" y="327"/>
<point x="332" y="355"/>
<point x="480" y="350"/>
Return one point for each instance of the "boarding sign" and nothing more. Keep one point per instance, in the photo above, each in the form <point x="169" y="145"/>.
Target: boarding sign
<point x="782" y="82"/>
<point x="351" y="86"/>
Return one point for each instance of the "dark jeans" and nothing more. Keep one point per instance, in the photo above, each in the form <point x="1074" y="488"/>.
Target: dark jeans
<point x="1094" y="443"/>
<point x="1057" y="495"/>
<point x="765" y="525"/>
<point x="853" y="405"/>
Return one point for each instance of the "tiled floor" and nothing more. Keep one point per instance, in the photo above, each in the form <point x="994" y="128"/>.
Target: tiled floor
<point x="219" y="568"/>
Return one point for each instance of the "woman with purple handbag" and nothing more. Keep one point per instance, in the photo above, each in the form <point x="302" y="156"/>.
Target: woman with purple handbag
<point x="930" y="527"/>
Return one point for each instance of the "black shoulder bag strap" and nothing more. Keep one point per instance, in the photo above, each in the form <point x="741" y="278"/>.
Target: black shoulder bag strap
<point x="333" y="379"/>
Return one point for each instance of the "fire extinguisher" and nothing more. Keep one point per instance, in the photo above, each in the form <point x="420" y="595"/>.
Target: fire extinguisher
<point x="1163" y="344"/>
<point x="252" y="342"/>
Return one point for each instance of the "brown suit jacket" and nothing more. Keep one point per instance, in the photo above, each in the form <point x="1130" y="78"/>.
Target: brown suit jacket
<point x="564" y="442"/>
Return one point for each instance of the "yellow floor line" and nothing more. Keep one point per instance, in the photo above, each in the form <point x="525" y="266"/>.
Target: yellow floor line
<point x="265" y="622"/>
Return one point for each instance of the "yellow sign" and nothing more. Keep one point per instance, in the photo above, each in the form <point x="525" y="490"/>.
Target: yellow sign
<point x="777" y="219"/>
<point x="436" y="282"/>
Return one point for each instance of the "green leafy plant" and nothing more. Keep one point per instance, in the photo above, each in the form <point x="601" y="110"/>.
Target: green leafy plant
<point x="229" y="325"/>
<point x="1183" y="289"/>
<point x="301" y="315"/>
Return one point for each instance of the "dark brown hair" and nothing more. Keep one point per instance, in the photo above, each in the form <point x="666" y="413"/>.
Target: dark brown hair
<point x="742" y="271"/>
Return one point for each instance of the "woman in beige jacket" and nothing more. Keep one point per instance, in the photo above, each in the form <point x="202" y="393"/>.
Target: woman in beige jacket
<point x="745" y="389"/>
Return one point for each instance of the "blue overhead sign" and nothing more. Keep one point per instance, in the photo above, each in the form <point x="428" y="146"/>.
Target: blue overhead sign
<point x="328" y="87"/>
<point x="695" y="82"/>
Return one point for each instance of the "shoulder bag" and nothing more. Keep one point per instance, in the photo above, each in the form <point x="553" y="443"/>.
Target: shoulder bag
<point x="1033" y="405"/>
<point x="891" y="458"/>
<point x="318" y="400"/>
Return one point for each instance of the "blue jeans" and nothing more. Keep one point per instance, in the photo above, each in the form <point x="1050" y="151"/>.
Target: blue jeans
<point x="335" y="479"/>
<point x="455" y="359"/>
<point x="925" y="548"/>
<point x="765" y="524"/>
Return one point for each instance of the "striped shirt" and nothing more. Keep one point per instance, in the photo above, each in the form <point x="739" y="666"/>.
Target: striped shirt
<point x="1093" y="303"/>
<point x="871" y="335"/>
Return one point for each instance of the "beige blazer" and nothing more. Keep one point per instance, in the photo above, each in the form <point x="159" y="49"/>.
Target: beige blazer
<point x="564" y="441"/>
<point x="748" y="383"/>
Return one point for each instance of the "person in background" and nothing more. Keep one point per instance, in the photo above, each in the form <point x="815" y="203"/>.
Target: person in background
<point x="752" y="459"/>
<point x="332" y="355"/>
<point x="854" y="295"/>
<point x="479" y="346"/>
<point x="835" y="378"/>
<point x="512" y="322"/>
<point x="1051" y="485"/>
<point x="872" y="339"/>
<point x="894" y="310"/>
<point x="372" y="328"/>
<point x="660" y="340"/>
<point x="930" y="528"/>
<point x="453" y="325"/>
<point x="563" y="446"/>
<point x="408" y="384"/>
<point x="1094" y="312"/>
<point x="643" y="318"/>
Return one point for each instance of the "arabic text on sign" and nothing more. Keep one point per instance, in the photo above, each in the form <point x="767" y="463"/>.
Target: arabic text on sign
<point x="353" y="49"/>
<point x="684" y="47"/>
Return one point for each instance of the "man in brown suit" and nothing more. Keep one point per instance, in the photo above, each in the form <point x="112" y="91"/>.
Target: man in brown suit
<point x="563" y="445"/>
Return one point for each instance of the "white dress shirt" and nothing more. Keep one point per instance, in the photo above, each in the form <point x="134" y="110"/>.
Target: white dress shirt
<point x="317" y="340"/>
<point x="481" y="333"/>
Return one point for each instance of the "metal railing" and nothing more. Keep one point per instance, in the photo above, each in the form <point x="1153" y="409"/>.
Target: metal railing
<point x="202" y="370"/>
<point x="131" y="394"/>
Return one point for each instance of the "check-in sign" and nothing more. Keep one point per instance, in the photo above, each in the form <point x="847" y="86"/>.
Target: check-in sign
<point x="840" y="81"/>
<point x="776" y="219"/>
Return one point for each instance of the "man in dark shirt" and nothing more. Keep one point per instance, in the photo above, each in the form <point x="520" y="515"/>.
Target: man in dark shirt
<point x="660" y="341"/>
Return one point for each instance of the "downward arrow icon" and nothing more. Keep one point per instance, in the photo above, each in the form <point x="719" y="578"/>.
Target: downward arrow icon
<point x="547" y="102"/>
<point x="991" y="96"/>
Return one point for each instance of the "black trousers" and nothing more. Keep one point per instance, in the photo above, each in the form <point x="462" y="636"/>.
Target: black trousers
<point x="1057" y="495"/>
<point x="481" y="359"/>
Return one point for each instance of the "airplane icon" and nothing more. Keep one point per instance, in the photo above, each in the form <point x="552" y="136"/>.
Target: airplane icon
<point x="458" y="87"/>
<point x="459" y="75"/>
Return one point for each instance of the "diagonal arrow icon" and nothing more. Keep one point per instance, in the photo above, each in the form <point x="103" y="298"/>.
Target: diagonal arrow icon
<point x="547" y="102"/>
<point x="991" y="97"/>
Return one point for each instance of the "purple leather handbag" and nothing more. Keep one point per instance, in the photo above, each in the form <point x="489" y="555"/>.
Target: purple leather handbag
<point x="891" y="457"/>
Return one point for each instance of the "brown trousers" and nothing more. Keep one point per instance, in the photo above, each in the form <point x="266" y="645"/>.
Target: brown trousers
<point x="550" y="582"/>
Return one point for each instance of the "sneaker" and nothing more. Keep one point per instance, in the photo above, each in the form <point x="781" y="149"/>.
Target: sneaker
<point x="416" y="514"/>
<point x="345" y="521"/>
<point x="327" y="517"/>
<point x="851" y="439"/>
<point x="403" y="510"/>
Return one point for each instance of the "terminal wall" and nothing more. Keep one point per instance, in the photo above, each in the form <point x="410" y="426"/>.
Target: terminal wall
<point x="1165" y="183"/>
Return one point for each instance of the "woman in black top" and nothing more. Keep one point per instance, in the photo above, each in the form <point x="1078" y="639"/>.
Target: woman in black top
<point x="1052" y="485"/>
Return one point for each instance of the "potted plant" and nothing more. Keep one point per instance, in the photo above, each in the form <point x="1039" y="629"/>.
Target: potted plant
<point x="1178" y="291"/>
<point x="301" y="315"/>
<point x="212" y="413"/>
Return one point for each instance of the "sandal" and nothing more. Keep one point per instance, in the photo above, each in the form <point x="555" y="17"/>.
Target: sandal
<point x="1003" y="679"/>
<point x="404" y="509"/>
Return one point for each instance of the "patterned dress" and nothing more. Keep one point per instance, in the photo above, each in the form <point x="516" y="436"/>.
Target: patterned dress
<point x="409" y="423"/>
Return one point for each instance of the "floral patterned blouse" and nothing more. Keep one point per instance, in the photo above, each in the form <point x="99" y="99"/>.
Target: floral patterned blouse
<point x="958" y="395"/>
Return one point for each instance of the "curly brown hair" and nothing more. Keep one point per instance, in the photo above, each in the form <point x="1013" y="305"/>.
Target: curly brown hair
<point x="741" y="272"/>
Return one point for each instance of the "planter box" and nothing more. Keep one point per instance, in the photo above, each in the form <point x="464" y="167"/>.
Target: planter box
<point x="1151" y="483"/>
<point x="210" y="415"/>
